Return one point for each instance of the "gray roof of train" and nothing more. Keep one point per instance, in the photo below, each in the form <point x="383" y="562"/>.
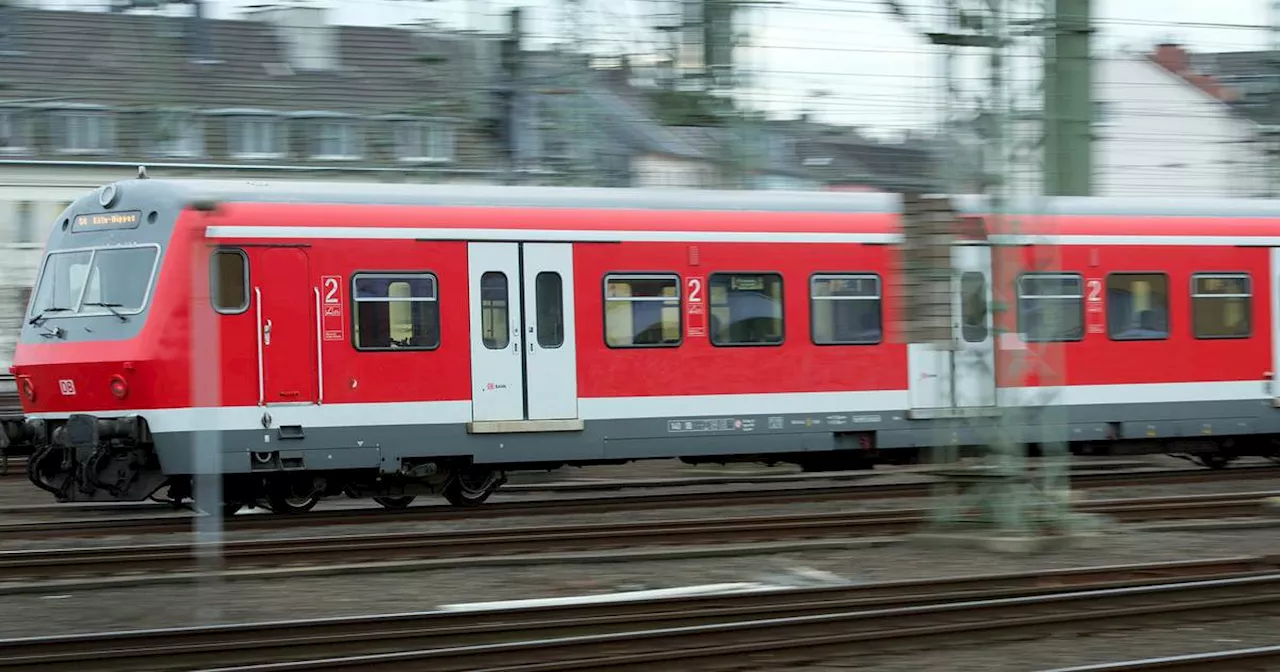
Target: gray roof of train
<point x="233" y="191"/>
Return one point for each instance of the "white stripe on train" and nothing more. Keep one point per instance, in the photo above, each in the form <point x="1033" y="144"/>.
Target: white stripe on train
<point x="616" y="236"/>
<point x="667" y="407"/>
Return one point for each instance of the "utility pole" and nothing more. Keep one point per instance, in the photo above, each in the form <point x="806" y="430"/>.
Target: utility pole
<point x="964" y="260"/>
<point x="511" y="95"/>
<point x="1068" y="100"/>
<point x="1271" y="129"/>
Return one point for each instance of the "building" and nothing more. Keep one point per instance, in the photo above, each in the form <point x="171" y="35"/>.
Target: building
<point x="1166" y="127"/>
<point x="280" y="93"/>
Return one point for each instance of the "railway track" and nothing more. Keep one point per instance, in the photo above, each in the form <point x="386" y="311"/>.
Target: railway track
<point x="1240" y="660"/>
<point x="62" y="563"/>
<point x="444" y="639"/>
<point x="567" y="505"/>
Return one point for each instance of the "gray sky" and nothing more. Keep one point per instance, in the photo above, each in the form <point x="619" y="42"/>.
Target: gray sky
<point x="875" y="71"/>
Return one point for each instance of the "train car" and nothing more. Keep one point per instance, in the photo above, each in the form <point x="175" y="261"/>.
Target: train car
<point x="307" y="340"/>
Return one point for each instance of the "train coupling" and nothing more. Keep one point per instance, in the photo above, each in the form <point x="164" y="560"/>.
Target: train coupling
<point x="81" y="432"/>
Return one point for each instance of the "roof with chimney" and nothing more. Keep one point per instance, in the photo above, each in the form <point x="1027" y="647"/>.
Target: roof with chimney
<point x="1253" y="75"/>
<point x="128" y="64"/>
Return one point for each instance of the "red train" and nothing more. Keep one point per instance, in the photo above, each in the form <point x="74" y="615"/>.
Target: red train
<point x="307" y="340"/>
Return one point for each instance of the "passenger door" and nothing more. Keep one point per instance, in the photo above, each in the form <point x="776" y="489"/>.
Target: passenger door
<point x="287" y="326"/>
<point x="957" y="379"/>
<point x="523" y="351"/>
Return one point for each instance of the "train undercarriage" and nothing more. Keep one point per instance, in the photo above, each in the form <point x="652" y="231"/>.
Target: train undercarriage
<point x="90" y="459"/>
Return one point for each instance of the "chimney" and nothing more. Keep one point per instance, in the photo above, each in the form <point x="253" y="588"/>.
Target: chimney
<point x="1172" y="57"/>
<point x="1175" y="59"/>
<point x="310" y="42"/>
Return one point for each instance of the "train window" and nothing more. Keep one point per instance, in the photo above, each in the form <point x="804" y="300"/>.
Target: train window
<point x="549" y="297"/>
<point x="229" y="281"/>
<point x="1138" y="306"/>
<point x="845" y="309"/>
<point x="1051" y="307"/>
<point x="746" y="308"/>
<point x="494" y="316"/>
<point x="99" y="281"/>
<point x="396" y="311"/>
<point x="973" y="307"/>
<point x="642" y="311"/>
<point x="1220" y="305"/>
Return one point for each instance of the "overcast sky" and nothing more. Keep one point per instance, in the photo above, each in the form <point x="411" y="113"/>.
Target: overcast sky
<point x="874" y="69"/>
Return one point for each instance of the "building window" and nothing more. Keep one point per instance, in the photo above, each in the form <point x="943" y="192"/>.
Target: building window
<point x="14" y="132"/>
<point x="178" y="134"/>
<point x="494" y="310"/>
<point x="256" y="137"/>
<point x="82" y="132"/>
<point x="396" y="311"/>
<point x="1220" y="305"/>
<point x="973" y="307"/>
<point x="845" y="309"/>
<point x="1138" y="306"/>
<point x="642" y="311"/>
<point x="1051" y="307"/>
<point x="26" y="232"/>
<point x="746" y="308"/>
<point x="229" y="281"/>
<point x="336" y="140"/>
<point x="424" y="141"/>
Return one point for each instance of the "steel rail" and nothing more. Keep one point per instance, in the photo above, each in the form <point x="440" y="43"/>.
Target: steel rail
<point x="790" y="640"/>
<point x="320" y="550"/>
<point x="1234" y="659"/>
<point x="184" y="648"/>
<point x="98" y="526"/>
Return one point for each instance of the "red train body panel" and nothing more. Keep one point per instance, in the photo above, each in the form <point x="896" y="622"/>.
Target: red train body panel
<point x="398" y="340"/>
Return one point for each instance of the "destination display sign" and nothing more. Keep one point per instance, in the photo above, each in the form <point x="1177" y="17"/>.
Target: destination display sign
<point x="107" y="220"/>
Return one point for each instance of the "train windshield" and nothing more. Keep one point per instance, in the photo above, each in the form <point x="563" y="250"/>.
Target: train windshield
<point x="113" y="280"/>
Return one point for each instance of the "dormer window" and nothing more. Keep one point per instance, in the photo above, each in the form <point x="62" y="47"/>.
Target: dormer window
<point x="177" y="134"/>
<point x="82" y="131"/>
<point x="15" y="132"/>
<point x="421" y="141"/>
<point x="336" y="139"/>
<point x="256" y="137"/>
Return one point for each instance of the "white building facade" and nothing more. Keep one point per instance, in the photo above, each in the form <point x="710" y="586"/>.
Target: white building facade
<point x="1160" y="133"/>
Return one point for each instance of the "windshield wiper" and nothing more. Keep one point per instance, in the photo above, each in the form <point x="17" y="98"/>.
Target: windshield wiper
<point x="40" y="316"/>
<point x="109" y="306"/>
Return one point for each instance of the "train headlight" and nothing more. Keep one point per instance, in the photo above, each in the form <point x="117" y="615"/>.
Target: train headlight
<point x="119" y="387"/>
<point x="29" y="389"/>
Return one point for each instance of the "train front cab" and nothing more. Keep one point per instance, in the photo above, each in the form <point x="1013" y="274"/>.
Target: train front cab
<point x="92" y="342"/>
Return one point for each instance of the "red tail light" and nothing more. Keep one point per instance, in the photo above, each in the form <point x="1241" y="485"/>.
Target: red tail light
<point x="28" y="389"/>
<point x="119" y="387"/>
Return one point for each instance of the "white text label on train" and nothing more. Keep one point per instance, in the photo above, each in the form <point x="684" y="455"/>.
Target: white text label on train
<point x="331" y="300"/>
<point x="695" y="311"/>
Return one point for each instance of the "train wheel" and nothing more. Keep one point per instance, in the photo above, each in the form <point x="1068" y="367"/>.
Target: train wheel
<point x="395" y="503"/>
<point x="1214" y="461"/>
<point x="284" y="504"/>
<point x="472" y="487"/>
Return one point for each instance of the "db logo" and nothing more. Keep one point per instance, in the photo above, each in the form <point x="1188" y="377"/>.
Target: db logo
<point x="68" y="387"/>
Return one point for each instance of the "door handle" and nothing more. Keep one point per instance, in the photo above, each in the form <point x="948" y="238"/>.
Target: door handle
<point x="266" y="333"/>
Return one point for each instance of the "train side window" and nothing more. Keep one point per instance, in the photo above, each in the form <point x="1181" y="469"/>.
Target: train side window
<point x="395" y="311"/>
<point x="642" y="311"/>
<point x="973" y="307"/>
<point x="1051" y="307"/>
<point x="1221" y="305"/>
<point x="746" y="309"/>
<point x="1138" y="306"/>
<point x="494" y="316"/>
<point x="229" y="281"/>
<point x="845" y="309"/>
<point x="549" y="297"/>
